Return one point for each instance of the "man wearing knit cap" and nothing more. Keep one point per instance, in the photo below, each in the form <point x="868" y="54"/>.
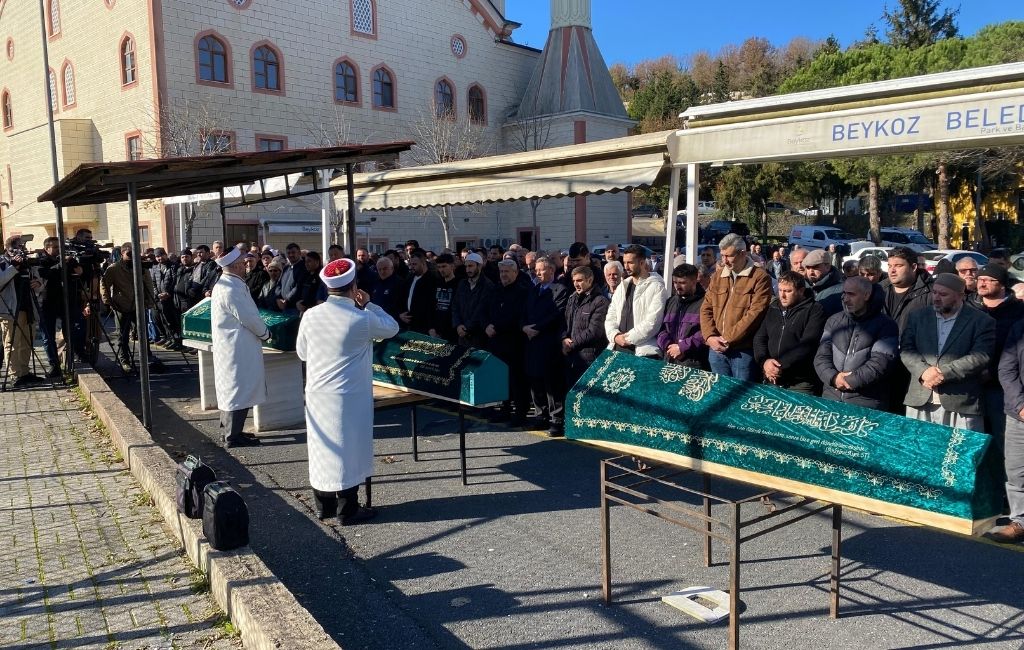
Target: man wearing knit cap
<point x="947" y="350"/>
<point x="336" y="341"/>
<point x="825" y="281"/>
<point x="993" y="297"/>
<point x="238" y="335"/>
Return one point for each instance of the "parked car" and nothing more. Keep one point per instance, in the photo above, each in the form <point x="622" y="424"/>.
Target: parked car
<point x="646" y="212"/>
<point x="719" y="228"/>
<point x="912" y="239"/>
<point x="812" y="237"/>
<point x="775" y="206"/>
<point x="931" y="258"/>
<point x="811" y="211"/>
<point x="1017" y="267"/>
<point x="881" y="252"/>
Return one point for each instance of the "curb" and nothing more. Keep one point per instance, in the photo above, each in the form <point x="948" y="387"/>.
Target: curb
<point x="261" y="608"/>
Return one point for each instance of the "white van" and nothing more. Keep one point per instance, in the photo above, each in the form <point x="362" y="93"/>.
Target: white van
<point x="912" y="239"/>
<point x="811" y="237"/>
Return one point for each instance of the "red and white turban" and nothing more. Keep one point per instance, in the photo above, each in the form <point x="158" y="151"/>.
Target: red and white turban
<point x="338" y="273"/>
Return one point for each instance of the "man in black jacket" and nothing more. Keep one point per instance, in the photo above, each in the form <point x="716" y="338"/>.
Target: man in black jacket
<point x="825" y="281"/>
<point x="506" y="339"/>
<point x="995" y="299"/>
<point x="417" y="298"/>
<point x="906" y="290"/>
<point x="182" y="280"/>
<point x="1011" y="376"/>
<point x="166" y="315"/>
<point x="858" y="348"/>
<point x="444" y="292"/>
<point x="583" y="338"/>
<point x="292" y="279"/>
<point x="471" y="304"/>
<point x="542" y="322"/>
<point x="789" y="335"/>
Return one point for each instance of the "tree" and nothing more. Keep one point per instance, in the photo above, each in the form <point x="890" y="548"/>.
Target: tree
<point x="189" y="127"/>
<point x="530" y="134"/>
<point x="720" y="89"/>
<point x="333" y="131"/>
<point x="745" y="190"/>
<point x="443" y="137"/>
<point x="918" y="23"/>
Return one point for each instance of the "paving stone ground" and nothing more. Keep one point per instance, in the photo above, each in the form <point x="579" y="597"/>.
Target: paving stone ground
<point x="85" y="561"/>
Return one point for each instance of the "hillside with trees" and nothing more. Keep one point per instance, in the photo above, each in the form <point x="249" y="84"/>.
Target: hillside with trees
<point x="919" y="37"/>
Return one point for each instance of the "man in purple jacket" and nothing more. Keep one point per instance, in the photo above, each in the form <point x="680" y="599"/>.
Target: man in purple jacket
<point x="679" y="339"/>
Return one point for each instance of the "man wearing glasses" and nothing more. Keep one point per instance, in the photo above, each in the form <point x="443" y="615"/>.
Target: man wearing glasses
<point x="967" y="269"/>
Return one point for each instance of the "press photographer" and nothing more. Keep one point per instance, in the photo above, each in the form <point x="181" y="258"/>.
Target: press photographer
<point x="117" y="289"/>
<point x="20" y="287"/>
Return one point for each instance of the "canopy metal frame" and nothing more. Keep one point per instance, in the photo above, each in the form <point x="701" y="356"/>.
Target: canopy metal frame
<point x="132" y="181"/>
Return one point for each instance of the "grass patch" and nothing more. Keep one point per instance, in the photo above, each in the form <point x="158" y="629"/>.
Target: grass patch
<point x="198" y="582"/>
<point x="223" y="624"/>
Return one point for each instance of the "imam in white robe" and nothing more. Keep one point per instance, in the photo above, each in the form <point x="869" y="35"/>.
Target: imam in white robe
<point x="238" y="332"/>
<point x="336" y="342"/>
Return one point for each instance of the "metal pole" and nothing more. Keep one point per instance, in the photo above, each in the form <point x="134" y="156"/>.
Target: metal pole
<point x="350" y="216"/>
<point x="224" y="220"/>
<point x="140" y="307"/>
<point x="181" y="226"/>
<point x="692" y="196"/>
<point x="69" y="356"/>
<point x="837" y="554"/>
<point x="325" y="213"/>
<point x="670" y="228"/>
<point x="606" y="536"/>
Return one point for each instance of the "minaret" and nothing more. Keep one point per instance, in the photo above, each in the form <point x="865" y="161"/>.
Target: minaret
<point x="571" y="74"/>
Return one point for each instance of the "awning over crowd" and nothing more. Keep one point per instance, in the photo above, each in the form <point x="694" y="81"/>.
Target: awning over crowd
<point x="615" y="165"/>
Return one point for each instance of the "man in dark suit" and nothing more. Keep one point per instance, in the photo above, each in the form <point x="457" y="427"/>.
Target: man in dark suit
<point x="583" y="337"/>
<point x="417" y="299"/>
<point x="542" y="322"/>
<point x="947" y="350"/>
<point x="506" y="338"/>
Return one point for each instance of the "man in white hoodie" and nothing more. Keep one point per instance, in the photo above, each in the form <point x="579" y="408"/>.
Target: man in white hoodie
<point x="634" y="317"/>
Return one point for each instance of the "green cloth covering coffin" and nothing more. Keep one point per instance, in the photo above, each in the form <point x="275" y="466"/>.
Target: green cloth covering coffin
<point x="917" y="471"/>
<point x="422" y="364"/>
<point x="284" y="328"/>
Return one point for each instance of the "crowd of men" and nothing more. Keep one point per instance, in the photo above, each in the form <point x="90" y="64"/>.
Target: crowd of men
<point x="944" y="347"/>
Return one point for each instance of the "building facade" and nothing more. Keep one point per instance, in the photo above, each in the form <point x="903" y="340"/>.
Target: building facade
<point x="159" y="78"/>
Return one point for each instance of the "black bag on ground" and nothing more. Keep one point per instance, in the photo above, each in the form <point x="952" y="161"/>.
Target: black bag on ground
<point x="225" y="517"/>
<point x="192" y="478"/>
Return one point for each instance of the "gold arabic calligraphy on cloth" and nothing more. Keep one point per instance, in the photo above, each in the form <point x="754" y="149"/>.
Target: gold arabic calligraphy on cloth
<point x="696" y="385"/>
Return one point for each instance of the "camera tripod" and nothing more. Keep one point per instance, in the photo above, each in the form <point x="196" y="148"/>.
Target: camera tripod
<point x="19" y="334"/>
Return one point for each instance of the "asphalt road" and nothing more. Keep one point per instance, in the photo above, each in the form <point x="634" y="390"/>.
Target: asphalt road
<point x="513" y="559"/>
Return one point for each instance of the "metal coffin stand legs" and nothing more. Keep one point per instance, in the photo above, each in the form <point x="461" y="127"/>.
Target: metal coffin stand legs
<point x="624" y="480"/>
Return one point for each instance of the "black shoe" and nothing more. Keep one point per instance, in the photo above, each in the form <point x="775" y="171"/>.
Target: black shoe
<point x="241" y="441"/>
<point x="25" y="380"/>
<point x="556" y="431"/>
<point x="54" y="373"/>
<point x="325" y="504"/>
<point x="127" y="367"/>
<point x="358" y="517"/>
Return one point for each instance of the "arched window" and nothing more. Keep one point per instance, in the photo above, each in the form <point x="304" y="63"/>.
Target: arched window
<point x="476" y="104"/>
<point x="54" y="17"/>
<point x="346" y="82"/>
<point x="383" y="89"/>
<point x="266" y="67"/>
<point x="52" y="82"/>
<point x="213" y="60"/>
<point x="69" y="85"/>
<point x="444" y="99"/>
<point x="128" y="68"/>
<point x="364" y="19"/>
<point x="5" y="99"/>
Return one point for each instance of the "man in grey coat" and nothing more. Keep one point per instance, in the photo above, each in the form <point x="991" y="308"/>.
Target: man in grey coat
<point x="947" y="349"/>
<point x="858" y="348"/>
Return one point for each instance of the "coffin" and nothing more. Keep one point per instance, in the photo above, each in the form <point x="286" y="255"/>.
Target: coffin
<point x="284" y="328"/>
<point x="422" y="364"/>
<point x="878" y="462"/>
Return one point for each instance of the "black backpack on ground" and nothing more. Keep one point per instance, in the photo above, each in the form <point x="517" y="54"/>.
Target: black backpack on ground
<point x="225" y="517"/>
<point x="192" y="477"/>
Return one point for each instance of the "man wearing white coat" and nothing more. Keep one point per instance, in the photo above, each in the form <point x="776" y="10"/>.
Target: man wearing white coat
<point x="634" y="315"/>
<point x="336" y="342"/>
<point x="238" y="333"/>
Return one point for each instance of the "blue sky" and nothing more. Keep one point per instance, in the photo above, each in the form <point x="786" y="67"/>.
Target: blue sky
<point x="630" y="31"/>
